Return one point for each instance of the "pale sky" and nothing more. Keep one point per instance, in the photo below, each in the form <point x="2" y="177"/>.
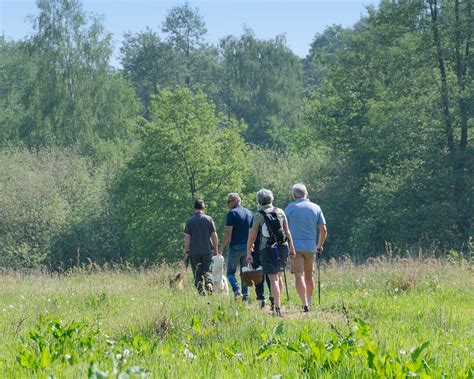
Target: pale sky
<point x="299" y="20"/>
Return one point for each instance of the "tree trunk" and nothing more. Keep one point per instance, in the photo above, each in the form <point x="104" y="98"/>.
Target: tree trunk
<point x="456" y="152"/>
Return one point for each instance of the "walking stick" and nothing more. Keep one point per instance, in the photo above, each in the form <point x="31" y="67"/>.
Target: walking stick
<point x="286" y="285"/>
<point x="318" y="264"/>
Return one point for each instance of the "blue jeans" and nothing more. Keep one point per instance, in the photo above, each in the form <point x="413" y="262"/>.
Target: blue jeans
<point x="237" y="257"/>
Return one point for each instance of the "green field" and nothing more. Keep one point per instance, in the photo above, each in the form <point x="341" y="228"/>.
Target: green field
<point x="396" y="318"/>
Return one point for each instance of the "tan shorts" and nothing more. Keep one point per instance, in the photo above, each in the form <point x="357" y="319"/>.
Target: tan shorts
<point x="303" y="263"/>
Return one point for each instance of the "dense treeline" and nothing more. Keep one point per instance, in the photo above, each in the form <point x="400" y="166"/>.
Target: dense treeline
<point x="103" y="163"/>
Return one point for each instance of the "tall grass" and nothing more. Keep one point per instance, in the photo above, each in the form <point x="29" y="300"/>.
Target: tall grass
<point x="388" y="318"/>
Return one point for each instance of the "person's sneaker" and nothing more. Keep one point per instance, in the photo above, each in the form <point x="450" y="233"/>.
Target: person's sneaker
<point x="305" y="308"/>
<point x="238" y="296"/>
<point x="261" y="303"/>
<point x="245" y="299"/>
<point x="276" y="312"/>
<point x="272" y="303"/>
<point x="209" y="288"/>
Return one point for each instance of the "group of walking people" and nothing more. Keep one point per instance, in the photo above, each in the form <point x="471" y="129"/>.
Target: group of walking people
<point x="268" y="238"/>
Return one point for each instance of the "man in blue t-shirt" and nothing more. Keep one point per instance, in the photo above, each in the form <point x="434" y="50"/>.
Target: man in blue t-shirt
<point x="238" y="224"/>
<point x="305" y="219"/>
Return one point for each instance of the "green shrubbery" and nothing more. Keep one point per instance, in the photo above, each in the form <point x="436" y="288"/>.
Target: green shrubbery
<point x="55" y="210"/>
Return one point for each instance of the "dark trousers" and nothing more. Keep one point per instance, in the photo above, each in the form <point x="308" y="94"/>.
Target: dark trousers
<point x="260" y="288"/>
<point x="201" y="265"/>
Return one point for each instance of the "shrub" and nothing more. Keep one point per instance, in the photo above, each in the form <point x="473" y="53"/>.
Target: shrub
<point x="54" y="209"/>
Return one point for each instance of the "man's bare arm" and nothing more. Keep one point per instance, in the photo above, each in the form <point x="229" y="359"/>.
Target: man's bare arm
<point x="290" y="239"/>
<point x="323" y="232"/>
<point x="226" y="239"/>
<point x="187" y="240"/>
<point x="250" y="242"/>
<point x="215" y="243"/>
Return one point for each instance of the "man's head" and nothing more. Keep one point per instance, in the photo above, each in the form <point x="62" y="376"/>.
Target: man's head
<point x="199" y="205"/>
<point x="264" y="197"/>
<point x="300" y="191"/>
<point x="233" y="199"/>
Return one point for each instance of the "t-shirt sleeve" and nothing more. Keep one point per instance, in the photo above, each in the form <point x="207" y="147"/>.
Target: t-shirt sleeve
<point x="321" y="219"/>
<point x="257" y="221"/>
<point x="230" y="219"/>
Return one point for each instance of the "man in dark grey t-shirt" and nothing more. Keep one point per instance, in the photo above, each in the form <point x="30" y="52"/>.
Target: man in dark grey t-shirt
<point x="198" y="234"/>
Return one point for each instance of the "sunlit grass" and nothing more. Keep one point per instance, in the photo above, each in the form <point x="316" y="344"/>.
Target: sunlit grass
<point x="132" y="320"/>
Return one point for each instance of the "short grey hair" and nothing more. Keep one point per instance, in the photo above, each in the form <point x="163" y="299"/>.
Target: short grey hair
<point x="234" y="196"/>
<point x="264" y="197"/>
<point x="299" y="189"/>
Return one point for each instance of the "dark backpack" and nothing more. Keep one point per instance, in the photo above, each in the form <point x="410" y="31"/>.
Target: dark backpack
<point x="274" y="226"/>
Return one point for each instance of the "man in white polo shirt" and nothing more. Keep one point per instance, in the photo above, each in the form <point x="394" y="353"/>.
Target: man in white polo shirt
<point x="305" y="219"/>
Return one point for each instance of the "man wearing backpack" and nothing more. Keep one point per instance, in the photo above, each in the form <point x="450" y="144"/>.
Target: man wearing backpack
<point x="275" y="245"/>
<point x="305" y="219"/>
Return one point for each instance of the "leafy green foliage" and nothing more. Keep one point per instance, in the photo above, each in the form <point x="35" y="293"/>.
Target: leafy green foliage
<point x="375" y="121"/>
<point x="187" y="152"/>
<point x="68" y="94"/>
<point x="55" y="210"/>
<point x="376" y="109"/>
<point x="262" y="84"/>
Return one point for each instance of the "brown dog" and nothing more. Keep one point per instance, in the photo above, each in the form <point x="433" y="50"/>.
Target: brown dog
<point x="177" y="281"/>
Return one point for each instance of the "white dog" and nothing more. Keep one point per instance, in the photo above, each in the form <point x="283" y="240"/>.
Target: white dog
<point x="219" y="281"/>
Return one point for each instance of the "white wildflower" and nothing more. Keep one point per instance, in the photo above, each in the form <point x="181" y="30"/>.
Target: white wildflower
<point x="189" y="354"/>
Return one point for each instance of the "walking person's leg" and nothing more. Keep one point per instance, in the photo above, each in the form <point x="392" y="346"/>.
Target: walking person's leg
<point x="259" y="288"/>
<point x="232" y="263"/>
<point x="308" y="277"/>
<point x="196" y="264"/>
<point x="270" y="296"/>
<point x="206" y="272"/>
<point x="242" y="264"/>
<point x="297" y="268"/>
<point x="276" y="292"/>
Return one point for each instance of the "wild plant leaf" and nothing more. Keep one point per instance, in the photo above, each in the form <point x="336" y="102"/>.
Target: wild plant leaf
<point x="279" y="329"/>
<point x="293" y="347"/>
<point x="268" y="349"/>
<point x="466" y="373"/>
<point x="34" y="335"/>
<point x="335" y="355"/>
<point x="26" y="359"/>
<point x="370" y="359"/>
<point x="196" y="323"/>
<point x="414" y="366"/>
<point x="416" y="353"/>
<point x="45" y="358"/>
<point x="242" y="367"/>
<point x="363" y="330"/>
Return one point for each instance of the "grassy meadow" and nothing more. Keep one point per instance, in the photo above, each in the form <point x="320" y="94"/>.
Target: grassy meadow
<point x="387" y="318"/>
